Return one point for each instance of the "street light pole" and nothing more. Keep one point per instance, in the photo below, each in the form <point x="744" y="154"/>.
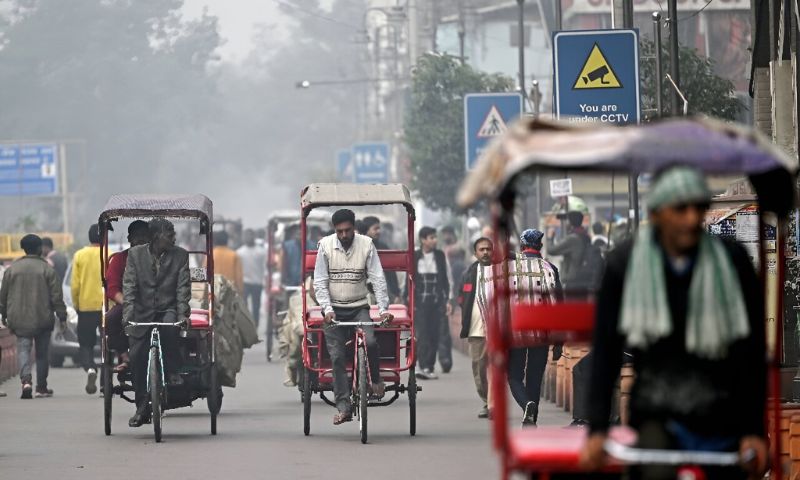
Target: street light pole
<point x="674" y="66"/>
<point x="521" y="45"/>
<point x="659" y="67"/>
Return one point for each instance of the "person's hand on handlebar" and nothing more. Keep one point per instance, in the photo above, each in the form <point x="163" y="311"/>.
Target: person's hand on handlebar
<point x="593" y="456"/>
<point x="330" y="317"/>
<point x="386" y="318"/>
<point x="757" y="465"/>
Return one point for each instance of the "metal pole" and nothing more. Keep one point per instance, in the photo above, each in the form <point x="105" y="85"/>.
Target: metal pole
<point x="559" y="15"/>
<point x="62" y="173"/>
<point x="659" y="67"/>
<point x="627" y="13"/>
<point x="633" y="177"/>
<point x="521" y="44"/>
<point x="461" y="34"/>
<point x="674" y="66"/>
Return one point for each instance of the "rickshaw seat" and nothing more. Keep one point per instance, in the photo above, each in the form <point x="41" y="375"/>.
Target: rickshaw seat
<point x="555" y="449"/>
<point x="199" y="318"/>
<point x="545" y="324"/>
<point x="400" y="312"/>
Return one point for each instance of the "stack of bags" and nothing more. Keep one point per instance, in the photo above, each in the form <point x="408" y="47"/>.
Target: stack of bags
<point x="234" y="330"/>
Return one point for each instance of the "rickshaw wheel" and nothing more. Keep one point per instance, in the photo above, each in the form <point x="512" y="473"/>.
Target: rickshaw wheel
<point x="306" y="402"/>
<point x="155" y="393"/>
<point x="214" y="398"/>
<point x="412" y="401"/>
<point x="108" y="393"/>
<point x="363" y="397"/>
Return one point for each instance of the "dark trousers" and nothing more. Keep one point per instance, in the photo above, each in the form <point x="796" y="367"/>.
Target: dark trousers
<point x="41" y="342"/>
<point x="252" y="296"/>
<point x="581" y="376"/>
<point x="117" y="340"/>
<point x="428" y="323"/>
<point x="445" y="348"/>
<point x="336" y="339"/>
<point x="88" y="322"/>
<point x="525" y="371"/>
<point x="139" y="353"/>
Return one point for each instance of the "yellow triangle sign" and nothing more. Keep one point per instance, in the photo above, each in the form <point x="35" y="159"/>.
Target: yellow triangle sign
<point x="596" y="72"/>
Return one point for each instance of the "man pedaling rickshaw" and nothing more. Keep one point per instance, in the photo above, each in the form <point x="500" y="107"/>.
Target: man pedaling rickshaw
<point x="690" y="309"/>
<point x="345" y="261"/>
<point x="156" y="288"/>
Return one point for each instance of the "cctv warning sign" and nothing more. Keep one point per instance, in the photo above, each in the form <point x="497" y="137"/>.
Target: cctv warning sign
<point x="597" y="72"/>
<point x="596" y="76"/>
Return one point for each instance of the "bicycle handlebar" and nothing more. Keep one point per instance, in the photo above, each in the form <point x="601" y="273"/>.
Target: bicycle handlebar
<point x="358" y="324"/>
<point x="158" y="324"/>
<point x="675" y="457"/>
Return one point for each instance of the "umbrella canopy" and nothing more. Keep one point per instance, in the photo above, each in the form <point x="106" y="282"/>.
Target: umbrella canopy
<point x="710" y="145"/>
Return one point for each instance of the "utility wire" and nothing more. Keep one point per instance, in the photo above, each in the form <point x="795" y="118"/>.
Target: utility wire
<point x="314" y="14"/>
<point x="697" y="12"/>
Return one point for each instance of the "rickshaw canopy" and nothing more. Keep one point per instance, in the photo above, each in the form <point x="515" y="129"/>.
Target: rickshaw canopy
<point x="168" y="205"/>
<point x="713" y="146"/>
<point x="333" y="194"/>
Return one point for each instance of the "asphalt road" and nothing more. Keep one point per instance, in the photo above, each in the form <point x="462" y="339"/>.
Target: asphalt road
<point x="260" y="433"/>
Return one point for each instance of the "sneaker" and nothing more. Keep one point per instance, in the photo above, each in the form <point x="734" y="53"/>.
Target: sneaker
<point x="484" y="412"/>
<point x="578" y="423"/>
<point x="427" y="374"/>
<point x="43" y="392"/>
<point x="531" y="414"/>
<point x="289" y="383"/>
<point x="27" y="391"/>
<point x="3" y="394"/>
<point x="91" y="381"/>
<point x="446" y="368"/>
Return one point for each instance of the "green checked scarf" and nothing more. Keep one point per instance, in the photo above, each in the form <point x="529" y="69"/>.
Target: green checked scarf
<point x="716" y="315"/>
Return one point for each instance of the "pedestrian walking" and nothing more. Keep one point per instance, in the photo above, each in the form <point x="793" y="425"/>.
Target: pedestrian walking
<point x="455" y="268"/>
<point x="473" y="320"/>
<point x="56" y="259"/>
<point x="30" y="300"/>
<point x="690" y="309"/>
<point x="226" y="262"/>
<point x="87" y="298"/>
<point x="532" y="280"/>
<point x="432" y="300"/>
<point x="254" y="268"/>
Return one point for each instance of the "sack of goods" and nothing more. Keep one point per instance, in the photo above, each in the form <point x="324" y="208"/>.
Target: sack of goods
<point x="234" y="330"/>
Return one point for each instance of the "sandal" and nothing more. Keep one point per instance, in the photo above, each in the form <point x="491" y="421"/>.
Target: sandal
<point x="341" y="418"/>
<point x="378" y="390"/>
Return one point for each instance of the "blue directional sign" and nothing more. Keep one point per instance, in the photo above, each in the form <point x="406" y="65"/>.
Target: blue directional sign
<point x="487" y="115"/>
<point x="596" y="76"/>
<point x="371" y="162"/>
<point x="28" y="170"/>
<point x="344" y="166"/>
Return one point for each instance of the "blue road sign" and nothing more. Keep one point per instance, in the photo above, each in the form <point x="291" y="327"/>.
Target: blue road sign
<point x="344" y="166"/>
<point x="596" y="76"/>
<point x="371" y="162"/>
<point x="487" y="115"/>
<point x="28" y="170"/>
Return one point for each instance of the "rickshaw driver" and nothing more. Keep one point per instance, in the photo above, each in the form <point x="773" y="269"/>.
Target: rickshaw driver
<point x="345" y="261"/>
<point x="690" y="308"/>
<point x="156" y="288"/>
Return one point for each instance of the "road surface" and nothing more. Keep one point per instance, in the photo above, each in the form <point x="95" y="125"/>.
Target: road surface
<point x="260" y="434"/>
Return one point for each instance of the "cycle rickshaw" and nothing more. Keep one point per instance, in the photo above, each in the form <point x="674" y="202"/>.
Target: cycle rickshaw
<point x="198" y="370"/>
<point x="395" y="339"/>
<point x="536" y="145"/>
<point x="277" y="290"/>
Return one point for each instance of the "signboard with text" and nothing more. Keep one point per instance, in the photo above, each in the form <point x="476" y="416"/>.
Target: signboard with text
<point x="596" y="76"/>
<point x="28" y="170"/>
<point x="370" y="162"/>
<point x="486" y="116"/>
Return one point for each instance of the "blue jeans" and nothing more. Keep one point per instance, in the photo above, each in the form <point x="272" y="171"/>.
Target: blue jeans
<point x="25" y="361"/>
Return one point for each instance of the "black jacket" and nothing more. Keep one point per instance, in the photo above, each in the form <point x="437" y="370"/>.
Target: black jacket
<point x="720" y="397"/>
<point x="148" y="294"/>
<point x="442" y="283"/>
<point x="467" y="290"/>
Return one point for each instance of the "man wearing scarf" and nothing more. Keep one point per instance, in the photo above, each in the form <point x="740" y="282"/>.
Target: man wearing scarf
<point x="690" y="309"/>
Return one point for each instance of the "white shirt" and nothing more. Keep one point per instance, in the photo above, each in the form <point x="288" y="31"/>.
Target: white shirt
<point x="254" y="263"/>
<point x="477" y="327"/>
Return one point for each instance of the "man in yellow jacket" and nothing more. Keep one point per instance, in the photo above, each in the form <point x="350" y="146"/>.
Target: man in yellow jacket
<point x="87" y="298"/>
<point x="227" y="262"/>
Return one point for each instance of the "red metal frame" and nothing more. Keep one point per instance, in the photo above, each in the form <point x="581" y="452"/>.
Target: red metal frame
<point x="574" y="322"/>
<point x="310" y="327"/>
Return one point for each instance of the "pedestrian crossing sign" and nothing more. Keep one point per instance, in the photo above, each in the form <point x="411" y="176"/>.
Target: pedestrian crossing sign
<point x="493" y="125"/>
<point x="596" y="72"/>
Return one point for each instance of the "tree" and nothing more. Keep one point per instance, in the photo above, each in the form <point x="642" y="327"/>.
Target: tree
<point x="707" y="93"/>
<point x="434" y="124"/>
